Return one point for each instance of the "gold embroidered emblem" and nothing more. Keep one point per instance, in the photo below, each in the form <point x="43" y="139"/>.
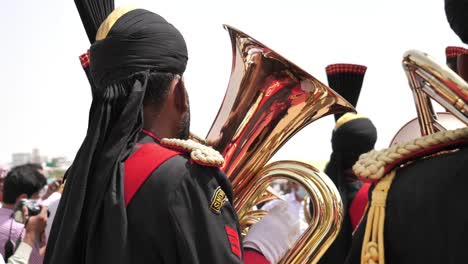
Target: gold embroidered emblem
<point x="218" y="200"/>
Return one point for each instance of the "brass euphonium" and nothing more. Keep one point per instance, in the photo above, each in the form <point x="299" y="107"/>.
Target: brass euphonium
<point x="429" y="80"/>
<point x="268" y="100"/>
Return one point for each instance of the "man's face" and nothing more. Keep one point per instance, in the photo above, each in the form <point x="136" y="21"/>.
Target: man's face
<point x="184" y="120"/>
<point x="184" y="126"/>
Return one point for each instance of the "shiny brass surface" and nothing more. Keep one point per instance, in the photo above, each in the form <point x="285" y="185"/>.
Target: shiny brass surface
<point x="430" y="80"/>
<point x="196" y="138"/>
<point x="327" y="214"/>
<point x="268" y="100"/>
<point x="250" y="218"/>
<point x="307" y="213"/>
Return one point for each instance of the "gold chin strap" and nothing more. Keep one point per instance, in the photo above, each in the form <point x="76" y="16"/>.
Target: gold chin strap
<point x="373" y="250"/>
<point x="110" y="21"/>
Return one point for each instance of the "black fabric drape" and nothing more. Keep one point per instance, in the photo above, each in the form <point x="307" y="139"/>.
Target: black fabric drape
<point x="90" y="224"/>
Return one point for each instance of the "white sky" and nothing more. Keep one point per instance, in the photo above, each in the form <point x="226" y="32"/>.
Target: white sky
<point x="45" y="96"/>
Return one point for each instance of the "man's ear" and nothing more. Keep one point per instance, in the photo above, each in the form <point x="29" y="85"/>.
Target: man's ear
<point x="180" y="95"/>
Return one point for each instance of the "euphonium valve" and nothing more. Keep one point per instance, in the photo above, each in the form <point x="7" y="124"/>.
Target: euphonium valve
<point x="268" y="100"/>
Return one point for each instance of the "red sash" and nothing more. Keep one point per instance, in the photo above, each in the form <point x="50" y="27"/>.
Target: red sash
<point x="140" y="165"/>
<point x="358" y="205"/>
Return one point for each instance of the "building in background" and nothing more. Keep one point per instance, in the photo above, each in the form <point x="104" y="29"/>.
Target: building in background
<point x="55" y="164"/>
<point x="20" y="159"/>
<point x="35" y="157"/>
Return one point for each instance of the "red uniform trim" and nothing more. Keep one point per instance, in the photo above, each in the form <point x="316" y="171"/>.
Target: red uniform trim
<point x="358" y="205"/>
<point x="151" y="135"/>
<point x="253" y="257"/>
<point x="233" y="237"/>
<point x="140" y="165"/>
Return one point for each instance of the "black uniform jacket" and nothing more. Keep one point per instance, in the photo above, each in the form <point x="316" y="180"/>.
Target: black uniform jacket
<point x="172" y="218"/>
<point x="426" y="216"/>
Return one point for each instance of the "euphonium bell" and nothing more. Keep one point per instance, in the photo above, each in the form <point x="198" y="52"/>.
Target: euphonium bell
<point x="429" y="80"/>
<point x="268" y="100"/>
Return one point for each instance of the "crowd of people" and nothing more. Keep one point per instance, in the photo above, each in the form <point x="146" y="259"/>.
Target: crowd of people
<point x="139" y="191"/>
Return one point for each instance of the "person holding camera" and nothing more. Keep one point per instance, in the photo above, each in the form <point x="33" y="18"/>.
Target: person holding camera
<point x="22" y="182"/>
<point x="34" y="226"/>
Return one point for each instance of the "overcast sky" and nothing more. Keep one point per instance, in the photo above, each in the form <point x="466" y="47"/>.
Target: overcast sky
<point x="46" y="97"/>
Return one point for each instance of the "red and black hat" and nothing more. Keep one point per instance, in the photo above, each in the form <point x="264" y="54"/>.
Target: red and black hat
<point x="346" y="79"/>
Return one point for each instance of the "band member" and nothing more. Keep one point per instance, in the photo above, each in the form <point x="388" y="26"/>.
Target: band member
<point x="415" y="213"/>
<point x="415" y="206"/>
<point x="353" y="135"/>
<point x="138" y="191"/>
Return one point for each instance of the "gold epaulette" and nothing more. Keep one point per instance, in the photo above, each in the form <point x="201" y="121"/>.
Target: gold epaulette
<point x="376" y="164"/>
<point x="199" y="153"/>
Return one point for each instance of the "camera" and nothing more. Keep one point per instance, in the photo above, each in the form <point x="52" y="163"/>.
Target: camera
<point x="34" y="208"/>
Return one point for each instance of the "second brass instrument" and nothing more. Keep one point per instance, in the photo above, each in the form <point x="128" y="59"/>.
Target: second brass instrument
<point x="430" y="80"/>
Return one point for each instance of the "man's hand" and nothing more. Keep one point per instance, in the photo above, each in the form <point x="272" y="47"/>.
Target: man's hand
<point x="53" y="187"/>
<point x="274" y="234"/>
<point x="35" y="226"/>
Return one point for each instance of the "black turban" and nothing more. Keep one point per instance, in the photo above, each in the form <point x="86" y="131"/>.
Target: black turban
<point x="139" y="41"/>
<point x="90" y="224"/>
<point x="457" y="14"/>
<point x="352" y="139"/>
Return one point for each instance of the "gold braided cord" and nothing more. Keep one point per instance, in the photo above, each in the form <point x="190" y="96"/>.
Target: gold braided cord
<point x="373" y="250"/>
<point x="372" y="165"/>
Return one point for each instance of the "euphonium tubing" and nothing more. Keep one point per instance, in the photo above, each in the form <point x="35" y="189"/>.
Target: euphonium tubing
<point x="430" y="80"/>
<point x="325" y="199"/>
<point x="268" y="100"/>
